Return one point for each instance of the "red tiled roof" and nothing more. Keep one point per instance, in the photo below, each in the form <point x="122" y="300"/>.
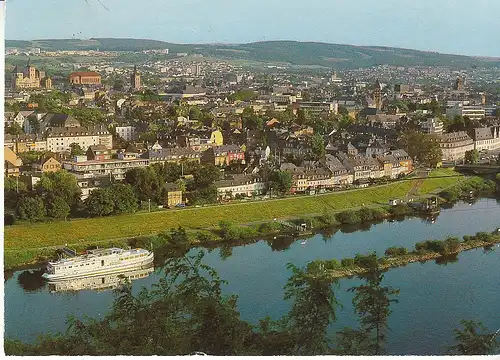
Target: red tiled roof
<point x="84" y="73"/>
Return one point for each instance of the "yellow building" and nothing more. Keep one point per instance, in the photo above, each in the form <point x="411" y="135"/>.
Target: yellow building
<point x="48" y="164"/>
<point x="30" y="78"/>
<point x="216" y="138"/>
<point x="12" y="162"/>
<point x="174" y="195"/>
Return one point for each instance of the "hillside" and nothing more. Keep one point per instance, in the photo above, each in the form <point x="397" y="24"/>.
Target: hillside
<point x="292" y="52"/>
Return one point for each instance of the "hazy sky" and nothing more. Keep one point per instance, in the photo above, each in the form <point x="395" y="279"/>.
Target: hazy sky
<point x="450" y="26"/>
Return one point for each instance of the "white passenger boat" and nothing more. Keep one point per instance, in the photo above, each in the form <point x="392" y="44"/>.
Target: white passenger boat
<point x="98" y="262"/>
<point x="100" y="282"/>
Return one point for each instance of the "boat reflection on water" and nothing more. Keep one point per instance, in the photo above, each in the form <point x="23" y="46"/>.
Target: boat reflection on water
<point x="101" y="282"/>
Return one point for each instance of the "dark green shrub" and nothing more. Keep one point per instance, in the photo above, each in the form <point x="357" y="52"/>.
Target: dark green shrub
<point x="348" y="217"/>
<point x="396" y="251"/>
<point x="347" y="263"/>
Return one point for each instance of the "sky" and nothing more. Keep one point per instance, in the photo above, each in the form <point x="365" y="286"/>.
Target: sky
<point x="448" y="26"/>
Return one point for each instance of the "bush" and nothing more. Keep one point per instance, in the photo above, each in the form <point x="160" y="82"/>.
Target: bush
<point x="348" y="217"/>
<point x="269" y="227"/>
<point x="379" y="213"/>
<point x="327" y="219"/>
<point x="483" y="236"/>
<point x="228" y="231"/>
<point x="347" y="263"/>
<point x="396" y="251"/>
<point x="9" y="219"/>
<point x="450" y="246"/>
<point x="366" y="261"/>
<point x="332" y="264"/>
<point x="206" y="236"/>
<point x="400" y="209"/>
<point x="467" y="238"/>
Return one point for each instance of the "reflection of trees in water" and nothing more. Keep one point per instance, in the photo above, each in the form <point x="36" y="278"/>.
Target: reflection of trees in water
<point x="328" y="233"/>
<point x="188" y="302"/>
<point x="448" y="259"/>
<point x="281" y="242"/>
<point x="489" y="249"/>
<point x="7" y="274"/>
<point x="225" y="252"/>
<point x="31" y="280"/>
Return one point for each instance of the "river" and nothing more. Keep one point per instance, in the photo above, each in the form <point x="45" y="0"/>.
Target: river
<point x="433" y="299"/>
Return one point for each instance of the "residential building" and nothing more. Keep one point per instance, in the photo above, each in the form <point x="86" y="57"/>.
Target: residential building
<point x="487" y="138"/>
<point x="455" y="144"/>
<point x="23" y="143"/>
<point x="472" y="112"/>
<point x="47" y="164"/>
<point x="172" y="155"/>
<point x="112" y="167"/>
<point x="405" y="161"/>
<point x="432" y="126"/>
<point x="85" y="78"/>
<point x="242" y="185"/>
<point x="12" y="162"/>
<point x="223" y="155"/>
<point x="316" y="107"/>
<point x="60" y="139"/>
<point x="127" y="133"/>
<point x="98" y="152"/>
<point x="173" y="195"/>
<point x="89" y="182"/>
<point x="340" y="174"/>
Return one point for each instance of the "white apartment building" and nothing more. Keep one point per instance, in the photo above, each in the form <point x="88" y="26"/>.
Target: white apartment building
<point x="432" y="126"/>
<point x="455" y="144"/>
<point x="60" y="139"/>
<point x="127" y="133"/>
<point x="114" y="167"/>
<point x="472" y="112"/>
<point x="487" y="138"/>
<point x="240" y="185"/>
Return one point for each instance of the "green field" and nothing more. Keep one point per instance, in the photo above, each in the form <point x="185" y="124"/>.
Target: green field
<point x="81" y="231"/>
<point x="436" y="182"/>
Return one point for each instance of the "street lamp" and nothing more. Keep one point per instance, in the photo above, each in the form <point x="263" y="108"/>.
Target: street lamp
<point x="149" y="205"/>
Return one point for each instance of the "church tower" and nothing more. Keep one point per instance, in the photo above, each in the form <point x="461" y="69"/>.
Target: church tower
<point x="377" y="95"/>
<point x="135" y="79"/>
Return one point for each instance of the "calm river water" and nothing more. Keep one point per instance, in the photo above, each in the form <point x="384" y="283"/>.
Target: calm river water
<point x="433" y="299"/>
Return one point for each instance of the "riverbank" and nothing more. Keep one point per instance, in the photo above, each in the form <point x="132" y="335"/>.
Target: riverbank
<point x="349" y="267"/>
<point x="33" y="243"/>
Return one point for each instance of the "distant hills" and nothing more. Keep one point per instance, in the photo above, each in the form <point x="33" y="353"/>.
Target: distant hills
<point x="292" y="52"/>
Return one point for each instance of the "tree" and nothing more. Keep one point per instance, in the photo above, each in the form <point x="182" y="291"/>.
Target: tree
<point x="31" y="208"/>
<point x="472" y="156"/>
<point x="14" y="129"/>
<point x="472" y="342"/>
<point x="124" y="198"/>
<point x="313" y="308"/>
<point x="76" y="149"/>
<point x="205" y="176"/>
<point x="280" y="181"/>
<point x="422" y="147"/>
<point x="318" y="146"/>
<point x="100" y="203"/>
<point x="372" y="303"/>
<point x="59" y="208"/>
<point x="59" y="184"/>
<point x="147" y="183"/>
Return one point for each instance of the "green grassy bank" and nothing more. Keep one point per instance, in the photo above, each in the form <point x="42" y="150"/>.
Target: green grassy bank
<point x="27" y="243"/>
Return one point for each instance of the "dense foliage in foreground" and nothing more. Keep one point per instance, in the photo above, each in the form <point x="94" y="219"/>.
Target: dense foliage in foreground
<point x="187" y="312"/>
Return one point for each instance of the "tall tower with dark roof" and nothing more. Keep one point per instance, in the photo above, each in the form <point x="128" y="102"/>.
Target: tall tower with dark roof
<point x="135" y="79"/>
<point x="377" y="95"/>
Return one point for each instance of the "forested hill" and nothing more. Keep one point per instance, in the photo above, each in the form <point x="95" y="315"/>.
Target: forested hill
<point x="292" y="52"/>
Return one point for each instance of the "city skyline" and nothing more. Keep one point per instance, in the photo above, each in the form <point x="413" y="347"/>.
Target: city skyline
<point x="403" y="24"/>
